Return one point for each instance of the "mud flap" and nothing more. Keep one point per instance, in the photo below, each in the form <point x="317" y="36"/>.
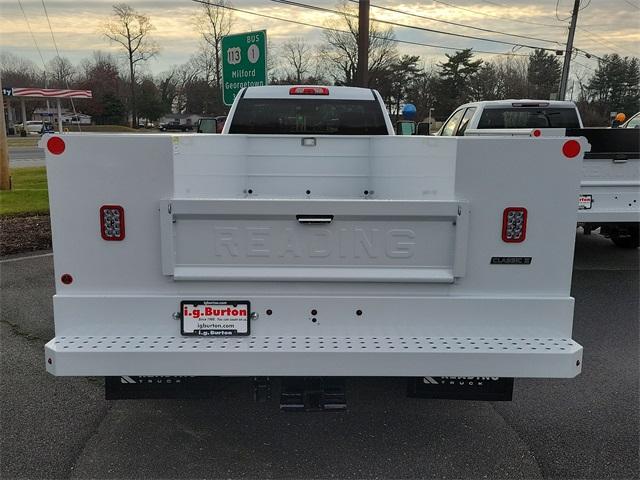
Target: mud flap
<point x="461" y="388"/>
<point x="156" y="387"/>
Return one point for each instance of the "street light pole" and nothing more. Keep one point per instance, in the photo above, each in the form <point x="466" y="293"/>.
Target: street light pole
<point x="362" y="79"/>
<point x="568" y="51"/>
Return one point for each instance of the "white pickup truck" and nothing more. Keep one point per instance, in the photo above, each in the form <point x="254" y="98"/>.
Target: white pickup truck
<point x="610" y="190"/>
<point x="308" y="241"/>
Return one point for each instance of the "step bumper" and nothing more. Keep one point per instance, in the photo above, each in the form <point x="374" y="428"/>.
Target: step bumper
<point x="314" y="356"/>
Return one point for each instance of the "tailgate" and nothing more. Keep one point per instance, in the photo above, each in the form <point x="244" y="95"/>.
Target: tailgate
<point x="611" y="175"/>
<point x="321" y="240"/>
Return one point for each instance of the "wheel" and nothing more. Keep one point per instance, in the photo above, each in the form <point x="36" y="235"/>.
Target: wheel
<point x="626" y="240"/>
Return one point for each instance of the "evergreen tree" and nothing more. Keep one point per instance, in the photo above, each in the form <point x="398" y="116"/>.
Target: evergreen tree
<point x="456" y="75"/>
<point x="543" y="75"/>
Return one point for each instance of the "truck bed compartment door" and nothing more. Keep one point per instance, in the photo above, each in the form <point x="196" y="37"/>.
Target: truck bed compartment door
<point x="317" y="240"/>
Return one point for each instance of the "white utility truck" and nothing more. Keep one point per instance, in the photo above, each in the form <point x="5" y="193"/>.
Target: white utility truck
<point x="309" y="241"/>
<point x="610" y="190"/>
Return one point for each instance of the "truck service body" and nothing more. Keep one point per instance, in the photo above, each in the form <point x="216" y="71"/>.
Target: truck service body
<point x="313" y="254"/>
<point x="610" y="189"/>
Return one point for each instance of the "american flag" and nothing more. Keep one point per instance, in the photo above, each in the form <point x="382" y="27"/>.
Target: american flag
<point x="50" y="93"/>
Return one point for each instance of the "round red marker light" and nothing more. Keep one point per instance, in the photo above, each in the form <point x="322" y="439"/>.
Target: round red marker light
<point x="571" y="148"/>
<point x="537" y="133"/>
<point x="66" y="279"/>
<point x="55" y="145"/>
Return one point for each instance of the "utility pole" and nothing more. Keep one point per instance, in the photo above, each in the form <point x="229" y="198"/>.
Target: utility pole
<point x="569" y="51"/>
<point x="5" y="181"/>
<point x="362" y="77"/>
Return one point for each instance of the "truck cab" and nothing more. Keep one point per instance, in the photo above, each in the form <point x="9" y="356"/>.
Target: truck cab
<point x="609" y="197"/>
<point x="511" y="114"/>
<point x="308" y="110"/>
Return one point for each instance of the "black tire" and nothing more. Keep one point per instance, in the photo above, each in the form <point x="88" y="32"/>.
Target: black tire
<point x="630" y="240"/>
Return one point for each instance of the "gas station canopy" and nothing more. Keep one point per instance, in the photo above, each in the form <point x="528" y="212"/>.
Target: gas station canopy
<point x="26" y="93"/>
<point x="45" y="92"/>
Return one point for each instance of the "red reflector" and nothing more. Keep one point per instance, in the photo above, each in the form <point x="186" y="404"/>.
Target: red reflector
<point x="514" y="224"/>
<point x="571" y="148"/>
<point x="112" y="222"/>
<point x="66" y="279"/>
<point x="537" y="133"/>
<point x="308" y="91"/>
<point x="55" y="145"/>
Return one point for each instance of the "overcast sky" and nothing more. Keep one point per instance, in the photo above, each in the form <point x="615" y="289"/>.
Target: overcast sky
<point x="606" y="26"/>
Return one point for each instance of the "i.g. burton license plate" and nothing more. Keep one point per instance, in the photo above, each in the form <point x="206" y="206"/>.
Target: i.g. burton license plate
<point x="214" y="317"/>
<point x="584" y="202"/>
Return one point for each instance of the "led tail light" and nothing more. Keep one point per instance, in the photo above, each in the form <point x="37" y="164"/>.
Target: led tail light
<point x="514" y="224"/>
<point x="112" y="222"/>
<point x="308" y="91"/>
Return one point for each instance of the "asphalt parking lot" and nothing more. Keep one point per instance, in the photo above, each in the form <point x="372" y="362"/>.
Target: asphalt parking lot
<point x="585" y="427"/>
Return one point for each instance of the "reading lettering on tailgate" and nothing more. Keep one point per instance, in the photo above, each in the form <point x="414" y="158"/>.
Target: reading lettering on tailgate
<point x="283" y="241"/>
<point x="355" y="242"/>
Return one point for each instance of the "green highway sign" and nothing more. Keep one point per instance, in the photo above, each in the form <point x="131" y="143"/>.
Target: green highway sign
<point x="244" y="62"/>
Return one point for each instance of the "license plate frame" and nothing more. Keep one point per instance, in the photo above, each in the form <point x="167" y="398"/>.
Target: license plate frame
<point x="585" y="202"/>
<point x="230" y="314"/>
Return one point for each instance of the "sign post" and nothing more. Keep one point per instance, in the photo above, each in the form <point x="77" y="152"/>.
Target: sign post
<point x="5" y="181"/>
<point x="244" y="62"/>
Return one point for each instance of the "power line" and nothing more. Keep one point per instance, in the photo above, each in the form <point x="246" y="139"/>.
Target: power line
<point x="557" y="16"/>
<point x="495" y="4"/>
<point x="461" y="24"/>
<point x="396" y="40"/>
<point x="402" y="25"/>
<point x="498" y="16"/>
<point x="632" y="4"/>
<point x="584" y="66"/>
<point x="44" y="66"/>
<point x="66" y="80"/>
<point x="55" y="44"/>
<point x="604" y="43"/>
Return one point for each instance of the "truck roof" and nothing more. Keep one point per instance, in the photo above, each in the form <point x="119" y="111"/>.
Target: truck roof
<point x="335" y="93"/>
<point x="522" y="102"/>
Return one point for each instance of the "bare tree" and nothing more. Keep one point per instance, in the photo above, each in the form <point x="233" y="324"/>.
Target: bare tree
<point x="298" y="57"/>
<point x="131" y="30"/>
<point x="204" y="61"/>
<point x="341" y="47"/>
<point x="61" y="72"/>
<point x="19" y="72"/>
<point x="215" y="22"/>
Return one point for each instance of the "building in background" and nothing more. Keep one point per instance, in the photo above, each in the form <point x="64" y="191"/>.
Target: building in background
<point x="67" y="116"/>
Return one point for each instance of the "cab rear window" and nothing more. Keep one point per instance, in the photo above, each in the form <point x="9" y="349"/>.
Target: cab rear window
<point x="308" y="116"/>
<point x="529" y="117"/>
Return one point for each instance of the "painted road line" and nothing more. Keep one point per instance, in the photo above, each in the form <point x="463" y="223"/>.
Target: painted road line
<point x="19" y="259"/>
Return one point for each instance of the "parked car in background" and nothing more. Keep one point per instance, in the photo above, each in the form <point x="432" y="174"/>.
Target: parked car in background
<point x="32" y="127"/>
<point x="175" y="127"/>
<point x="507" y="114"/>
<point x="633" y="122"/>
<point x="609" y="198"/>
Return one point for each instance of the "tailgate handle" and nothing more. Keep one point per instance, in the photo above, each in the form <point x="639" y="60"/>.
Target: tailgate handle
<point x="314" y="219"/>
